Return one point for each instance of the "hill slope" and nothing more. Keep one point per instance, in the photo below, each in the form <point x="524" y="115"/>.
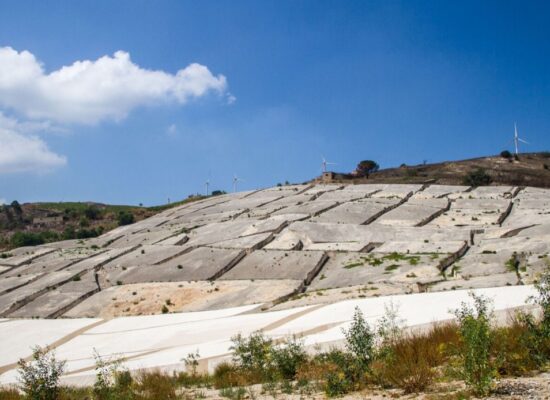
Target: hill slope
<point x="532" y="169"/>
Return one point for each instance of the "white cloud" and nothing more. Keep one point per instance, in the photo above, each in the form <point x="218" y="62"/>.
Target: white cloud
<point x="231" y="99"/>
<point x="24" y="152"/>
<point x="3" y="201"/>
<point x="92" y="91"/>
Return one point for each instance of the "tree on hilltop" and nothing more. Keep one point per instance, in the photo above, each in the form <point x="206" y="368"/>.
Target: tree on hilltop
<point x="367" y="167"/>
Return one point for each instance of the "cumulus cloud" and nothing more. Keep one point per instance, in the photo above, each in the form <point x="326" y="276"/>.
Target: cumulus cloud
<point x="88" y="92"/>
<point x="21" y="151"/>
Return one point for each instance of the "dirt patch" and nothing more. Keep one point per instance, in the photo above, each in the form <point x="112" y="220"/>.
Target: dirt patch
<point x="156" y="298"/>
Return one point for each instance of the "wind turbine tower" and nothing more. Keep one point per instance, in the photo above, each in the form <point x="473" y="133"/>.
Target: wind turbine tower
<point x="517" y="139"/>
<point x="207" y="183"/>
<point x="235" y="180"/>
<point x="325" y="163"/>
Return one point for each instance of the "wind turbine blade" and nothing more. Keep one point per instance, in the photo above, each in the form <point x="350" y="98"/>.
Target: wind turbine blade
<point x="523" y="141"/>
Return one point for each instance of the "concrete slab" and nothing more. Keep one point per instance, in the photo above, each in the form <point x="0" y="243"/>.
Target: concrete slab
<point x="55" y="302"/>
<point x="357" y="212"/>
<point x="39" y="267"/>
<point x="351" y="269"/>
<point x="309" y="235"/>
<point x="99" y="259"/>
<point x="480" y="264"/>
<point x="281" y="191"/>
<point x="414" y="212"/>
<point x="397" y="191"/>
<point x="489" y="281"/>
<point x="275" y="264"/>
<point x="474" y="212"/>
<point x="200" y="264"/>
<point x="141" y="238"/>
<point x="19" y="296"/>
<point x="519" y="244"/>
<point x="23" y="255"/>
<point x="439" y="191"/>
<point x="219" y="232"/>
<point x="492" y="192"/>
<point x="317" y="189"/>
<point x="8" y="283"/>
<point x="420" y="247"/>
<point x="311" y="208"/>
<point x="250" y="242"/>
<point x="146" y="255"/>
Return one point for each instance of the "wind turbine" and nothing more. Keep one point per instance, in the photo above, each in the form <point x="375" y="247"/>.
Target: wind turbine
<point x="517" y="139"/>
<point x="325" y="163"/>
<point x="235" y="180"/>
<point x="207" y="183"/>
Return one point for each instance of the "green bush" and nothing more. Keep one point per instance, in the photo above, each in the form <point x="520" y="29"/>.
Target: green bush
<point x="112" y="382"/>
<point x="92" y="212"/>
<point x="505" y="154"/>
<point x="477" y="369"/>
<point x="542" y="299"/>
<point x="288" y="357"/>
<point x="125" y="218"/>
<point x="477" y="177"/>
<point x="253" y="354"/>
<point x="360" y="341"/>
<point x="155" y="385"/>
<point x="19" y="239"/>
<point x="40" y="377"/>
<point x="516" y="347"/>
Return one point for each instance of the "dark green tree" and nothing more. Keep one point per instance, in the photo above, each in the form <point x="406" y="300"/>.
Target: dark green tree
<point x="367" y="167"/>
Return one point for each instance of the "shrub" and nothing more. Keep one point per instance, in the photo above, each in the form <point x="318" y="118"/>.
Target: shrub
<point x="252" y="354"/>
<point x="408" y="364"/>
<point x="92" y="212"/>
<point x="233" y="393"/>
<point x="505" y="154"/>
<point x="227" y="375"/>
<point x="40" y="378"/>
<point x="20" y="239"/>
<point x="516" y="346"/>
<point x="288" y="357"/>
<point x="360" y="341"/>
<point x="478" y="177"/>
<point x="125" y="218"/>
<point x="155" y="385"/>
<point x="10" y="393"/>
<point x="338" y="370"/>
<point x="192" y="362"/>
<point x="475" y="335"/>
<point x="542" y="299"/>
<point x="112" y="382"/>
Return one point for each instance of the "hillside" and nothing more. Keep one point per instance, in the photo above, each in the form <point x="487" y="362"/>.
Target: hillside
<point x="530" y="169"/>
<point x="288" y="246"/>
<point x="31" y="224"/>
<point x="290" y="260"/>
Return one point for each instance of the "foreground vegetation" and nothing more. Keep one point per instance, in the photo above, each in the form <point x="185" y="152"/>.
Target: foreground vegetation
<point x="472" y="350"/>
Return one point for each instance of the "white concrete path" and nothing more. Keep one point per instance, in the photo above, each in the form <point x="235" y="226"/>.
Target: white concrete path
<point x="163" y="340"/>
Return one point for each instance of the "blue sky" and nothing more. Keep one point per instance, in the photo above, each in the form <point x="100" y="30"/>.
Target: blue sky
<point x="280" y="84"/>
